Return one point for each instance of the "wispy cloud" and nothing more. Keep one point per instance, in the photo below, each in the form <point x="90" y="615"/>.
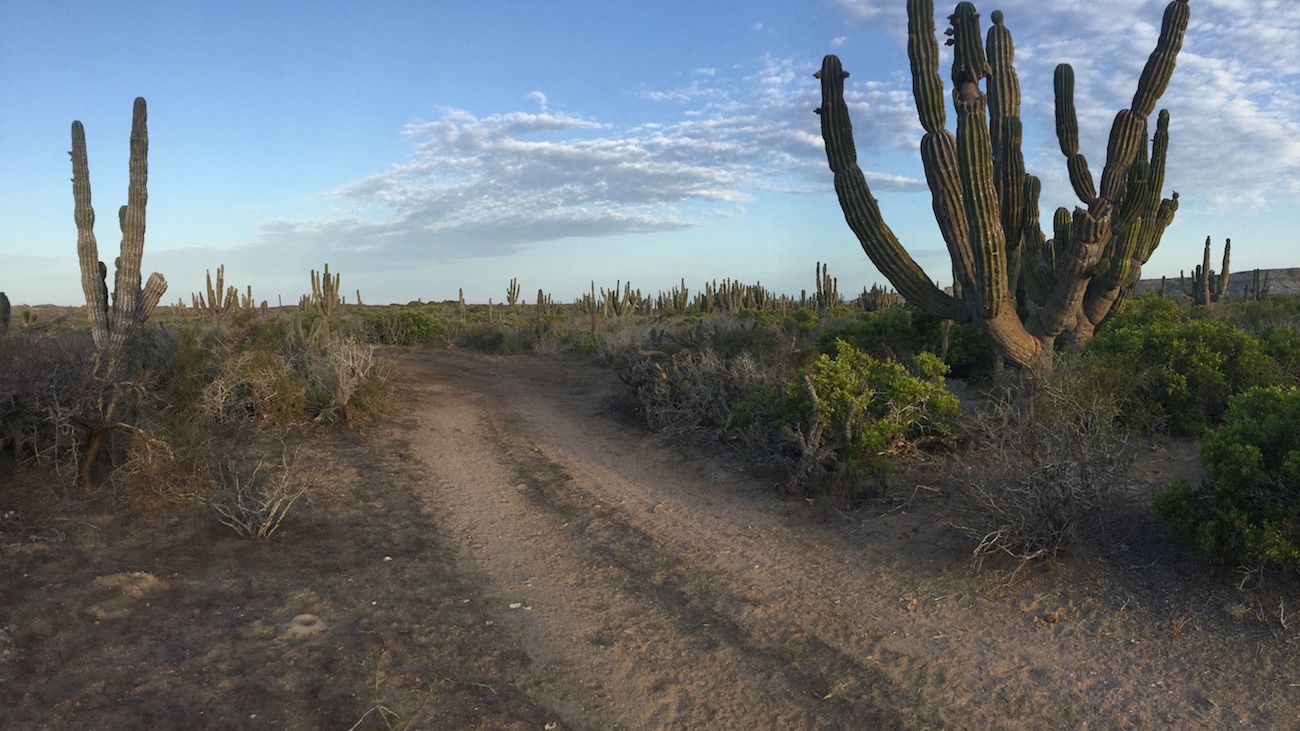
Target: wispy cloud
<point x="478" y="186"/>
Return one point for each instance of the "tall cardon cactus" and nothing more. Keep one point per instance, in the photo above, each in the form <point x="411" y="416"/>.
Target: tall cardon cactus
<point x="1028" y="291"/>
<point x="112" y="327"/>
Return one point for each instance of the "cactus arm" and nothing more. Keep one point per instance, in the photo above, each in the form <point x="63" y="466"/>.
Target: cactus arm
<point x="126" y="285"/>
<point x="87" y="249"/>
<point x="1224" y="272"/>
<point x="1067" y="134"/>
<point x="861" y="210"/>
<point x="1160" y="64"/>
<point x="938" y="146"/>
<point x="975" y="163"/>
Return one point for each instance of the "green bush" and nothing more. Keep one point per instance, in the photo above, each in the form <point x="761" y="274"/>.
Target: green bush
<point x="403" y="327"/>
<point x="1184" y="371"/>
<point x="848" y="410"/>
<point x="1246" y="508"/>
<point x="901" y="332"/>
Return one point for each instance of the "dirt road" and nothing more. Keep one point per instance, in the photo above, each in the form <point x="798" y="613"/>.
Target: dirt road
<point x="654" y="589"/>
<point x="508" y="552"/>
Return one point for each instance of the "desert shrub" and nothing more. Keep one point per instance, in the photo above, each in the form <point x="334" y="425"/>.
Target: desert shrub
<point x="1246" y="507"/>
<point x="42" y="380"/>
<point x="901" y="332"/>
<point x="844" y="414"/>
<point x="1184" y="371"/>
<point x="1282" y="344"/>
<point x="896" y="333"/>
<point x="496" y="338"/>
<point x="698" y="390"/>
<point x="403" y="327"/>
<point x="251" y="499"/>
<point x="1041" y="465"/>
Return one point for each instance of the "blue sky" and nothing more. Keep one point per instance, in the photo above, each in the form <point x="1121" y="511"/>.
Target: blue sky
<point x="422" y="147"/>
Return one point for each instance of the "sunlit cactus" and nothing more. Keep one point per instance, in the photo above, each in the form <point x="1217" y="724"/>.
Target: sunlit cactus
<point x="1026" y="290"/>
<point x="111" y="327"/>
<point x="1206" y="287"/>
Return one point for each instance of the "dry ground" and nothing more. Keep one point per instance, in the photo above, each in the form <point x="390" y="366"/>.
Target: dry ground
<point x="512" y="552"/>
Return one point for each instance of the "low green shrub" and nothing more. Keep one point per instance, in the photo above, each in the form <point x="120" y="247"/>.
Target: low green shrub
<point x="1246" y="507"/>
<point x="403" y="327"/>
<point x="846" y="412"/>
<point x="1179" y="372"/>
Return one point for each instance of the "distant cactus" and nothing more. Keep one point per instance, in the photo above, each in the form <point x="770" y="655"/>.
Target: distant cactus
<point x="512" y="292"/>
<point x="1258" y="290"/>
<point x="4" y="313"/>
<point x="220" y="298"/>
<point x="1206" y="287"/>
<point x="325" y="292"/>
<point x="1026" y="290"/>
<point x="878" y="299"/>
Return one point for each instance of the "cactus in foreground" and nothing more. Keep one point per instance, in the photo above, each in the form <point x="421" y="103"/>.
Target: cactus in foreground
<point x="4" y="313"/>
<point x="112" y="327"/>
<point x="1025" y="289"/>
<point x="1206" y="287"/>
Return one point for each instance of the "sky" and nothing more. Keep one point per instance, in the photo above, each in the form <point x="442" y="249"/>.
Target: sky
<point x="420" y="148"/>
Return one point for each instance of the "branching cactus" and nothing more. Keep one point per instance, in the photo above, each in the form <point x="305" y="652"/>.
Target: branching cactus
<point x="131" y="306"/>
<point x="1206" y="287"/>
<point x="512" y="292"/>
<point x="1026" y="290"/>
<point x="220" y="299"/>
<point x="325" y="292"/>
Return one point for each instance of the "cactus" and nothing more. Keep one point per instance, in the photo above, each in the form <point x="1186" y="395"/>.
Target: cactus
<point x="512" y="293"/>
<point x="1207" y="288"/>
<point x="1026" y="290"/>
<point x="325" y="292"/>
<point x="220" y="298"/>
<point x="1256" y="292"/>
<point x="4" y="313"/>
<point x="131" y="306"/>
<point x="878" y="299"/>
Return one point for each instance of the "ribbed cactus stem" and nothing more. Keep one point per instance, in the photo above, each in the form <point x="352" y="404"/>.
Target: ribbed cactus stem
<point x="1160" y="64"/>
<point x="923" y="55"/>
<point x="131" y="306"/>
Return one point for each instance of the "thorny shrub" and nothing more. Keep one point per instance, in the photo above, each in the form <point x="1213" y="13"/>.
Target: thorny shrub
<point x="829" y="421"/>
<point x="1041" y="466"/>
<point x="1246" y="507"/>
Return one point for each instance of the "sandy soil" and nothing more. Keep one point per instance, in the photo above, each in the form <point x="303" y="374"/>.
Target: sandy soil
<point x="513" y="552"/>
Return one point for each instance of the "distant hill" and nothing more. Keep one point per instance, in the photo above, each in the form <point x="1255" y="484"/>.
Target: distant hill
<point x="1280" y="281"/>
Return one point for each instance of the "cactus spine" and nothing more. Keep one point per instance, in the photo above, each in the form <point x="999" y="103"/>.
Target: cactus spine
<point x="1206" y="287"/>
<point x="1026" y="290"/>
<point x="112" y="327"/>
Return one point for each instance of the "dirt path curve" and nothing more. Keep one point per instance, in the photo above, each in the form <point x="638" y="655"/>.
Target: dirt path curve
<point x="653" y="590"/>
